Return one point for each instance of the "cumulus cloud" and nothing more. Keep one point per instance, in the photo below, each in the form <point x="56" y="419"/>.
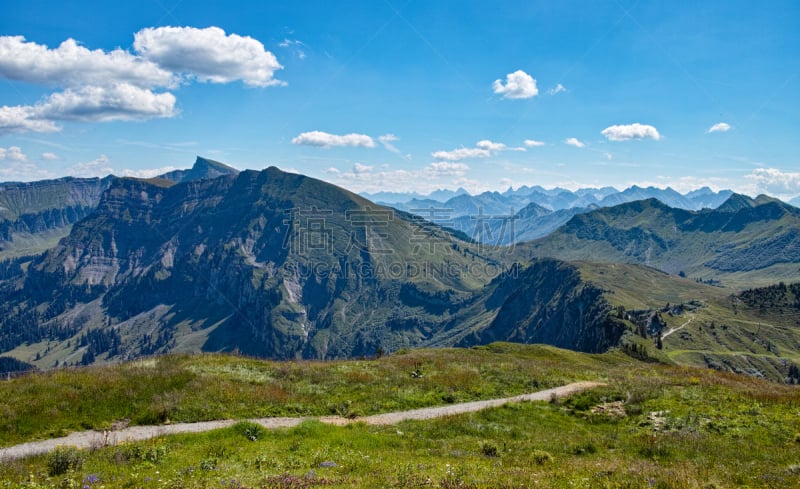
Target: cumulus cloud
<point x="49" y="156"/>
<point x="518" y="85"/>
<point x="630" y="131"/>
<point x="145" y="173"/>
<point x="490" y="145"/>
<point x="23" y="118"/>
<point x="436" y="175"/>
<point x="71" y="65"/>
<point x="208" y="54"/>
<point x="532" y="143"/>
<point x="719" y="127"/>
<point x="15" y="166"/>
<point x="104" y="86"/>
<point x="574" y="142"/>
<point x="101" y="104"/>
<point x="88" y="104"/>
<point x="26" y="171"/>
<point x="13" y="153"/>
<point x="461" y="154"/>
<point x="446" y="168"/>
<point x="327" y="140"/>
<point x="774" y="182"/>
<point x="359" y="168"/>
<point x="483" y="149"/>
<point x="557" y="89"/>
<point x="99" y="167"/>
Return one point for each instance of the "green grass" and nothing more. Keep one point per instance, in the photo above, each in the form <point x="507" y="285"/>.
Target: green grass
<point x="27" y="244"/>
<point x="741" y="339"/>
<point x="184" y="388"/>
<point x="683" y="428"/>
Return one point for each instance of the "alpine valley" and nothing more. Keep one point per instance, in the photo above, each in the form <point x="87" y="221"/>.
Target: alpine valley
<point x="279" y="265"/>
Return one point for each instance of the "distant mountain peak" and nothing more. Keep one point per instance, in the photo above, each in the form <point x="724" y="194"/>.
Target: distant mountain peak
<point x="736" y="202"/>
<point x="202" y="169"/>
<point x="766" y="199"/>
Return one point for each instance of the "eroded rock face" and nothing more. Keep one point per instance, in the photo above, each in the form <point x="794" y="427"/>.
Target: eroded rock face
<point x="548" y="302"/>
<point x="48" y="206"/>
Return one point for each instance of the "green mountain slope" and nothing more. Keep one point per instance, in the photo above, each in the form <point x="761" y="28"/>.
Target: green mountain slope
<point x="755" y="332"/>
<point x="745" y="242"/>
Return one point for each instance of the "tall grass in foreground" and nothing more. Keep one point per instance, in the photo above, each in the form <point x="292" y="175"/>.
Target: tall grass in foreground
<point x="651" y="426"/>
<point x="185" y="388"/>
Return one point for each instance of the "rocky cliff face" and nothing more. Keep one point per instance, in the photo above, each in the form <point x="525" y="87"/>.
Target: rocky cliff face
<point x="548" y="302"/>
<point x="47" y="206"/>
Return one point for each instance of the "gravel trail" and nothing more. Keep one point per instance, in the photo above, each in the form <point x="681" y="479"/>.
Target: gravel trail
<point x="675" y="330"/>
<point x="96" y="439"/>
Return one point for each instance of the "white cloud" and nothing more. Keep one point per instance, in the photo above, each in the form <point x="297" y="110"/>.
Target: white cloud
<point x="518" y="85"/>
<point x="574" y="142"/>
<point x="359" y="168"/>
<point x="295" y="46"/>
<point x="13" y="153"/>
<point x="332" y="170"/>
<point x="208" y="54"/>
<point x="532" y="143"/>
<point x="25" y="171"/>
<point x="23" y="118"/>
<point x="327" y="140"/>
<point x="88" y="104"/>
<point x="483" y="149"/>
<point x="630" y="131"/>
<point x="386" y="140"/>
<point x="442" y="174"/>
<point x="686" y="183"/>
<point x="99" y="167"/>
<point x="101" y="104"/>
<point x="774" y="182"/>
<point x="719" y="127"/>
<point x="461" y="154"/>
<point x="103" y="86"/>
<point x="446" y="168"/>
<point x="145" y="173"/>
<point x="557" y="89"/>
<point x="490" y="145"/>
<point x="72" y="65"/>
<point x="49" y="156"/>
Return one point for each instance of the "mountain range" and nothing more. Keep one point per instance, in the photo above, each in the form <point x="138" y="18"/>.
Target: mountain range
<point x="281" y="265"/>
<point x="749" y="241"/>
<point x="529" y="213"/>
<point x="460" y="203"/>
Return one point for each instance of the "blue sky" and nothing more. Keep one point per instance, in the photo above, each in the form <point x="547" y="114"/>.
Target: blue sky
<point x="408" y="95"/>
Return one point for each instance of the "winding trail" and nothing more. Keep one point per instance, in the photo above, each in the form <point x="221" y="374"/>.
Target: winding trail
<point x="96" y="439"/>
<point x="673" y="330"/>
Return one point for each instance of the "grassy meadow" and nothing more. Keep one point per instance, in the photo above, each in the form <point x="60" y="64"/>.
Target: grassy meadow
<point x="650" y="426"/>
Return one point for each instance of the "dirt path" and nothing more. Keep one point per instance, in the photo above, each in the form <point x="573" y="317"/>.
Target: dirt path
<point x="673" y="330"/>
<point x="96" y="439"/>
